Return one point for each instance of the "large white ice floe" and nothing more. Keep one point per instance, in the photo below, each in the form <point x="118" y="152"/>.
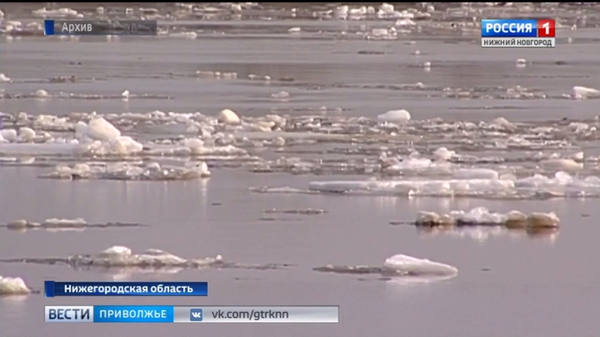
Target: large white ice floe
<point x="99" y="138"/>
<point x="399" y="266"/>
<point x="580" y="92"/>
<point x="13" y="286"/>
<point x="118" y="258"/>
<point x="408" y="265"/>
<point x="395" y="116"/>
<point x="506" y="186"/>
<point x="131" y="171"/>
<point x="121" y="256"/>
<point x="481" y="216"/>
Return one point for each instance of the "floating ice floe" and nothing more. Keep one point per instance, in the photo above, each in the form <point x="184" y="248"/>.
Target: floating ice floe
<point x="481" y="216"/>
<point x="502" y="123"/>
<point x="228" y="116"/>
<point x="395" y="116"/>
<point x="57" y="13"/>
<point x="561" y="164"/>
<point x="580" y="92"/>
<point x="184" y="35"/>
<point x="4" y="78"/>
<point x="294" y="30"/>
<point x="208" y="74"/>
<point x="55" y="224"/>
<point x="536" y="186"/>
<point x="9" y="135"/>
<point x="52" y="123"/>
<point x="41" y="93"/>
<point x="304" y="211"/>
<point x="521" y="63"/>
<point x="123" y="258"/>
<point x="120" y="256"/>
<point x="442" y="153"/>
<point x="408" y="265"/>
<point x="281" y="95"/>
<point x="399" y="266"/>
<point x="405" y="23"/>
<point x="13" y="286"/>
<point x="130" y="171"/>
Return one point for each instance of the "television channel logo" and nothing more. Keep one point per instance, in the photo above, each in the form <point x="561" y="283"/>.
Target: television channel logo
<point x="69" y="313"/>
<point x="196" y="315"/>
<point x="518" y="33"/>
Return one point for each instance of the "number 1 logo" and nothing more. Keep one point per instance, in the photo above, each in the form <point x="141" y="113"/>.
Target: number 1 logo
<point x="546" y="28"/>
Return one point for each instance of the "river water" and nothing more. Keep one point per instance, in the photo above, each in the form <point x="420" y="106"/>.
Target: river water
<point x="337" y="69"/>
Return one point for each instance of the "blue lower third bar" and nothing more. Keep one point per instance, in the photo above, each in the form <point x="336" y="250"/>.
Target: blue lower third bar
<point x="133" y="314"/>
<point x="72" y="288"/>
<point x="49" y="27"/>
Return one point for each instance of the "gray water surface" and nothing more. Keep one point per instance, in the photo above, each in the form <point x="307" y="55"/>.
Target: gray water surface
<point x="508" y="285"/>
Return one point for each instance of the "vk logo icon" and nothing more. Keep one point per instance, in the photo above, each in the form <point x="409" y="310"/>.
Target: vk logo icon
<point x="196" y="315"/>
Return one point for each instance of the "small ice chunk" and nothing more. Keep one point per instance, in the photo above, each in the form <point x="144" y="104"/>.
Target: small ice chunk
<point x="125" y="94"/>
<point x="281" y="95"/>
<point x="395" y="116"/>
<point x="26" y="134"/>
<point x="561" y="164"/>
<point x="157" y="256"/>
<point x="41" y="93"/>
<point x="18" y="224"/>
<point x="9" y="134"/>
<point x="503" y="123"/>
<point x="196" y="145"/>
<point x="580" y="92"/>
<point x="405" y="22"/>
<point x="409" y="265"/>
<point x="81" y="130"/>
<point x="443" y="153"/>
<point x="579" y="156"/>
<point x="228" y="116"/>
<point x="125" y="145"/>
<point x="100" y="129"/>
<point x="13" y="286"/>
<point x="578" y="127"/>
<point x="54" y="222"/>
<point x="432" y="219"/>
<point x="515" y="219"/>
<point x="4" y="78"/>
<point x="538" y="220"/>
<point x="116" y="251"/>
<point x="521" y="63"/>
<point x="185" y="35"/>
<point x="294" y="30"/>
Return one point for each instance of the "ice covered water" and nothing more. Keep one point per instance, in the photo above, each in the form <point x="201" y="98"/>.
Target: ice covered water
<point x="485" y="130"/>
<point x="121" y="258"/>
